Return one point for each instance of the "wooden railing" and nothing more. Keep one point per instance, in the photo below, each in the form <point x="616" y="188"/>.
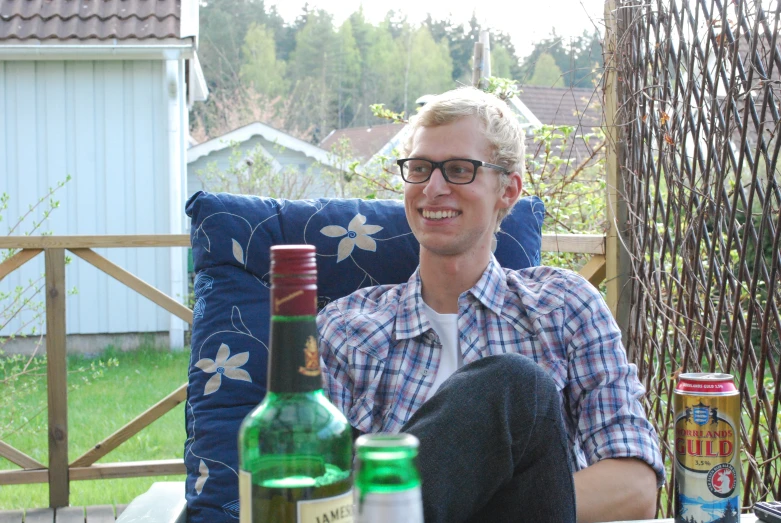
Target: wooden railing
<point x="60" y="472"/>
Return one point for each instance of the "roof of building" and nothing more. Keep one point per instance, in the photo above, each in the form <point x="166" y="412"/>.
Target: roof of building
<point x="564" y="105"/>
<point x="242" y="134"/>
<point x="365" y="141"/>
<point x="571" y="106"/>
<point x="89" y="19"/>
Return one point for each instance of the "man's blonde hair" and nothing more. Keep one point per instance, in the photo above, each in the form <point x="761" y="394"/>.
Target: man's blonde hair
<point x="500" y="127"/>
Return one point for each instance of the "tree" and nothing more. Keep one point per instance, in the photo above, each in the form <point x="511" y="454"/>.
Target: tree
<point x="502" y="62"/>
<point x="260" y="67"/>
<point x="223" y="26"/>
<point x="363" y="32"/>
<point x="575" y="57"/>
<point x="384" y="70"/>
<point x="284" y="35"/>
<point x="311" y="73"/>
<point x="348" y="75"/>
<point x="546" y="72"/>
<point x="433" y="68"/>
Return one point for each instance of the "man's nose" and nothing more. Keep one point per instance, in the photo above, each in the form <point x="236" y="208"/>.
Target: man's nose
<point x="436" y="184"/>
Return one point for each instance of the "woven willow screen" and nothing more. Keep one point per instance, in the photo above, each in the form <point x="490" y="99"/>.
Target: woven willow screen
<point x="698" y="117"/>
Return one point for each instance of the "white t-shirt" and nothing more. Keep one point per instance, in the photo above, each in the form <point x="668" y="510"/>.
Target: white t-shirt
<point x="446" y="327"/>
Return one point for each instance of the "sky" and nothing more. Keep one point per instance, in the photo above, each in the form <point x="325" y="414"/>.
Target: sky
<point x="526" y="21"/>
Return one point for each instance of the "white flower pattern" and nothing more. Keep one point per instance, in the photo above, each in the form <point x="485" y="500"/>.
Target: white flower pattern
<point x="202" y="477"/>
<point x="357" y="234"/>
<point x="224" y="365"/>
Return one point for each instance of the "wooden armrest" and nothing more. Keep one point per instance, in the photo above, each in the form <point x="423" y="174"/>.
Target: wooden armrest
<point x="163" y="503"/>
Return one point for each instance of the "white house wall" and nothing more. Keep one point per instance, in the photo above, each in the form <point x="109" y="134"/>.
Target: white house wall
<point x="287" y="158"/>
<point x="105" y="124"/>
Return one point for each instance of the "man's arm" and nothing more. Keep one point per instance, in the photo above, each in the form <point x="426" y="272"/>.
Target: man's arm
<point x="619" y="443"/>
<point x="614" y="490"/>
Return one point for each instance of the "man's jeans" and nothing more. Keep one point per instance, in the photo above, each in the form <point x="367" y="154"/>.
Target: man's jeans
<point x="493" y="446"/>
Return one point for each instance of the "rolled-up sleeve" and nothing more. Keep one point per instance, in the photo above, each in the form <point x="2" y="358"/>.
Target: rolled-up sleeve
<point x="605" y="392"/>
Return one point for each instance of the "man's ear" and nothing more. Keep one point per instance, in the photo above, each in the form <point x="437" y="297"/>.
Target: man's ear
<point x="512" y="191"/>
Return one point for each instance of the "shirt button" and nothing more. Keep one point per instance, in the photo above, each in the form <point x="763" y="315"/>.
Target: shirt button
<point x="425" y="372"/>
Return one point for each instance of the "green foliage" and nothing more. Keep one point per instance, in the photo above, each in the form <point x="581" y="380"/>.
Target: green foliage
<point x="501" y="87"/>
<point x="24" y="303"/>
<point x="352" y="180"/>
<point x="503" y="62"/>
<point x="380" y="111"/>
<point x="546" y="72"/>
<point x="574" y="194"/>
<point x="577" y="58"/>
<point x="223" y="26"/>
<point x="309" y="77"/>
<point x="260" y="67"/>
<point x="427" y="66"/>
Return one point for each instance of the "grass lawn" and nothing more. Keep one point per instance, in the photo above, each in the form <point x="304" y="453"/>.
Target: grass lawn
<point x="95" y="410"/>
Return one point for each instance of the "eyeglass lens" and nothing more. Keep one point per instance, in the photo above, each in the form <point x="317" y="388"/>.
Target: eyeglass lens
<point x="456" y="171"/>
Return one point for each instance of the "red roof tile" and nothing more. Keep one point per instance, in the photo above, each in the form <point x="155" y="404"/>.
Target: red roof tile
<point x="564" y="106"/>
<point x="84" y="19"/>
<point x="577" y="107"/>
<point x="365" y="141"/>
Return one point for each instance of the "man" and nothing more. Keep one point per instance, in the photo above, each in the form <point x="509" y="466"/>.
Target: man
<point x="439" y="351"/>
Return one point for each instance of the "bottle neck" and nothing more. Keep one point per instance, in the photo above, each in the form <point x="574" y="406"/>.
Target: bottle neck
<point x="294" y="357"/>
<point x="386" y="477"/>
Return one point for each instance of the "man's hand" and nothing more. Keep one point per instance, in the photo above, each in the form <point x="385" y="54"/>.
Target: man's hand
<point x="614" y="490"/>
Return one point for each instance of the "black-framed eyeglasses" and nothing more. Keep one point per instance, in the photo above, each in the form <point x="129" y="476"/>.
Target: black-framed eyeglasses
<point x="458" y="171"/>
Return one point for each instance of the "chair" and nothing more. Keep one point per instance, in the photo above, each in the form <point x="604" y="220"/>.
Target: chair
<point x="359" y="243"/>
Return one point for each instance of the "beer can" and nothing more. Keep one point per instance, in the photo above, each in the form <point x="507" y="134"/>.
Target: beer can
<point x="707" y="448"/>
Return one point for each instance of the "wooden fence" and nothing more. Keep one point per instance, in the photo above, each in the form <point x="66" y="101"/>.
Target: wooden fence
<point x="60" y="470"/>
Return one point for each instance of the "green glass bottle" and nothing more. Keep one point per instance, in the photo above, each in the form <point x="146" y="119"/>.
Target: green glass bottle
<point x="387" y="482"/>
<point x="295" y="448"/>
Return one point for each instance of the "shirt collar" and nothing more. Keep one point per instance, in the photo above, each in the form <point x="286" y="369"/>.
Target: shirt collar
<point x="411" y="320"/>
<point x="491" y="288"/>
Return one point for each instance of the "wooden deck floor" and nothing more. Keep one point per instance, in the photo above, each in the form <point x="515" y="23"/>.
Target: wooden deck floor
<point x="96" y="514"/>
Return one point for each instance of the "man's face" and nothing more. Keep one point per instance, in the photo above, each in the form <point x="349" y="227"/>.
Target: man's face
<point x="447" y="219"/>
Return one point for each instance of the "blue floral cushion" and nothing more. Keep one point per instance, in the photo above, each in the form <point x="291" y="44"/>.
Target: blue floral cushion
<point x="359" y="243"/>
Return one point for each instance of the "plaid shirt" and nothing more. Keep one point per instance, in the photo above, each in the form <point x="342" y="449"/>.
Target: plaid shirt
<point x="380" y="355"/>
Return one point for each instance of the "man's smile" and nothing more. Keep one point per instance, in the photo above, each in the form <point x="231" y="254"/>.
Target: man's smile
<point x="439" y="214"/>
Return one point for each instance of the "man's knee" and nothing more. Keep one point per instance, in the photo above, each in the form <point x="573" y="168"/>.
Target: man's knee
<point x="504" y="374"/>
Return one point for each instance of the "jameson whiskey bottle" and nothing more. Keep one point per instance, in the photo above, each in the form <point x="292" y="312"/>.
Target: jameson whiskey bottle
<point x="295" y="448"/>
<point x="387" y="482"/>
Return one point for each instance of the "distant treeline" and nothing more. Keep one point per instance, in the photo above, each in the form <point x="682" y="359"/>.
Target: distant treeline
<point x="310" y="76"/>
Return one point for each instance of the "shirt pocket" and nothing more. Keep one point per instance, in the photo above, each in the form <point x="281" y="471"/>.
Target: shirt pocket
<point x="366" y="338"/>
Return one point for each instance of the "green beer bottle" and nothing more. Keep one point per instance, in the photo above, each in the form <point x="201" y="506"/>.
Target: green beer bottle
<point x="295" y="448"/>
<point x="387" y="482"/>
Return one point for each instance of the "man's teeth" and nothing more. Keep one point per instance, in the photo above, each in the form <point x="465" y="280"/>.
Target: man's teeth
<point x="438" y="215"/>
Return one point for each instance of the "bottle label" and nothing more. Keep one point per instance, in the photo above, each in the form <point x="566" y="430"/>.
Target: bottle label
<point x="338" y="509"/>
<point x="373" y="507"/>
<point x="245" y="497"/>
<point x="294" y="362"/>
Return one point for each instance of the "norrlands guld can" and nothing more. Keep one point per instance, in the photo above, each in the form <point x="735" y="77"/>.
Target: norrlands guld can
<point x="707" y="449"/>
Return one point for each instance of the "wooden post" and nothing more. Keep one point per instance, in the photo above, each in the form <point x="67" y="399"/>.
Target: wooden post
<point x="618" y="266"/>
<point x="477" y="65"/>
<point x="57" y="378"/>
<point x="485" y="39"/>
